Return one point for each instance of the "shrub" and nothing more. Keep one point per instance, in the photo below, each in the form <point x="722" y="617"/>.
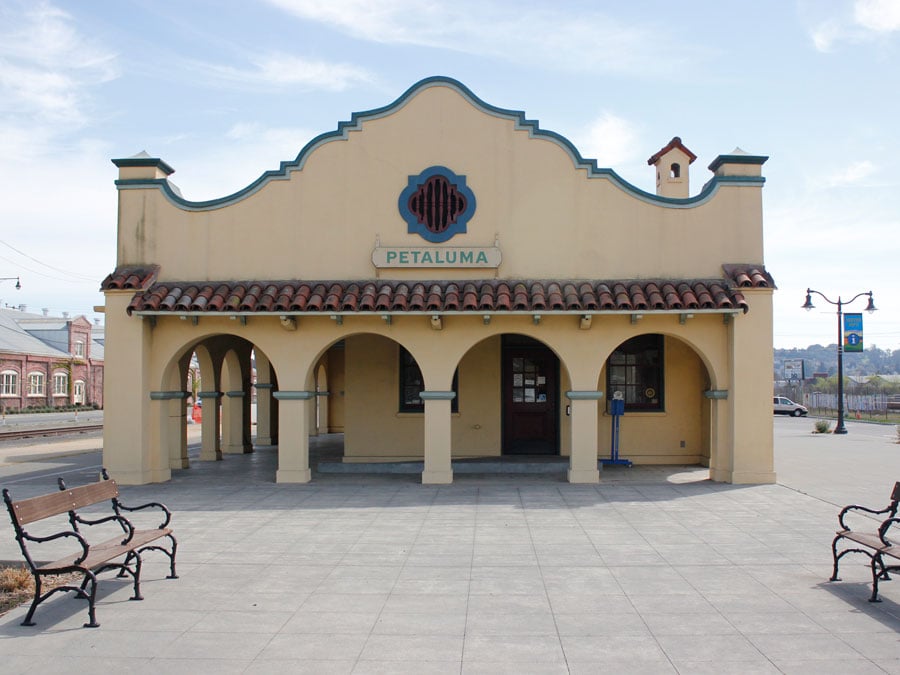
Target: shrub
<point x="14" y="579"/>
<point x="822" y="427"/>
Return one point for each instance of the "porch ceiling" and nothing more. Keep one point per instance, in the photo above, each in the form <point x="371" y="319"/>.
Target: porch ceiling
<point x="495" y="296"/>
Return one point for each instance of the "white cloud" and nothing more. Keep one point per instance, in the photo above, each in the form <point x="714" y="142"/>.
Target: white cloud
<point x="881" y="16"/>
<point x="285" y="70"/>
<point x="47" y="66"/>
<point x="580" y="41"/>
<point x="611" y="139"/>
<point x="862" y="21"/>
<point x="228" y="167"/>
<point x="853" y="173"/>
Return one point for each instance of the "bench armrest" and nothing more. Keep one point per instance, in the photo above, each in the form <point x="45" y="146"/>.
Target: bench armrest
<point x="149" y="505"/>
<point x="85" y="547"/>
<point x="854" y="507"/>
<point x="126" y="525"/>
<point x="883" y="530"/>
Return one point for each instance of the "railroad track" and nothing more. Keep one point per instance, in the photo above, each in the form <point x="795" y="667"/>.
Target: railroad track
<point x="37" y="432"/>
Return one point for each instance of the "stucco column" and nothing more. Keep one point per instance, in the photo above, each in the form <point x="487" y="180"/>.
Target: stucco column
<point x="264" y="413"/>
<point x="233" y="424"/>
<point x="583" y="461"/>
<point x="438" y="468"/>
<point x="173" y="420"/>
<point x="293" y="437"/>
<point x="210" y="443"/>
<point x="322" y="403"/>
<point x="132" y="446"/>
<point x="719" y="425"/>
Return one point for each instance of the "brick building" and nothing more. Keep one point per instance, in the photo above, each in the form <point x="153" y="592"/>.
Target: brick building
<point x="48" y="361"/>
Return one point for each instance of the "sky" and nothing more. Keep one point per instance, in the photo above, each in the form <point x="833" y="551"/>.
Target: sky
<point x="223" y="90"/>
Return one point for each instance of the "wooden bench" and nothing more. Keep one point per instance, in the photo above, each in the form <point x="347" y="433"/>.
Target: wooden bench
<point x="92" y="558"/>
<point x="876" y="544"/>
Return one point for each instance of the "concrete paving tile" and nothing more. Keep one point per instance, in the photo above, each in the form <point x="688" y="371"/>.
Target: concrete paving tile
<point x="855" y="621"/>
<point x="352" y="622"/>
<point x="91" y="642"/>
<point x="698" y="623"/>
<point x="430" y="667"/>
<point x="299" y="667"/>
<point x="858" y="666"/>
<point x="715" y="648"/>
<point x="344" y="602"/>
<point x="587" y="602"/>
<point x="601" y="624"/>
<point x="636" y="649"/>
<point x="782" y="623"/>
<point x="875" y="645"/>
<point x="760" y="666"/>
<point x="413" y="648"/>
<point x="516" y="668"/>
<point x="818" y="647"/>
<point x="659" y="666"/>
<point x="509" y="623"/>
<point x="340" y="647"/>
<point x="528" y="649"/>
<point x="754" y="603"/>
<point x="420" y="623"/>
<point x="491" y="604"/>
<point x="241" y="621"/>
<point x="425" y="602"/>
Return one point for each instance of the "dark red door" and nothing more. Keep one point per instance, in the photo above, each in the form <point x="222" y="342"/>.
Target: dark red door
<point x="530" y="400"/>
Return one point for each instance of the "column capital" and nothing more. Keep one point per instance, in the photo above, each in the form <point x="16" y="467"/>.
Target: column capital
<point x="584" y="395"/>
<point x="294" y="395"/>
<point x="168" y="395"/>
<point x="437" y="395"/>
<point x="719" y="394"/>
<point x="209" y="394"/>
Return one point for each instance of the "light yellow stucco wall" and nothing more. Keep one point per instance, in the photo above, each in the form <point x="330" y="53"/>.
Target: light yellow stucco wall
<point x="549" y="219"/>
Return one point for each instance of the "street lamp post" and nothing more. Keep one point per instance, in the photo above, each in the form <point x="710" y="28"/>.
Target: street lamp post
<point x="808" y="305"/>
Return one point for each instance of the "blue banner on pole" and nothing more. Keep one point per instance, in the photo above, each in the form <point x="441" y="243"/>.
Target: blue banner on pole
<point x="853" y="332"/>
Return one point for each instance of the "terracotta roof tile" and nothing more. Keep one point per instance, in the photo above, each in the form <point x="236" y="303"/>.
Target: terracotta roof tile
<point x="494" y="295"/>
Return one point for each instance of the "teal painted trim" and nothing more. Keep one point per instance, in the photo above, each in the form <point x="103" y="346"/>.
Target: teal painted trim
<point x="294" y="395"/>
<point x="584" y="395"/>
<point x="234" y="394"/>
<point x="155" y="162"/>
<point x="168" y="395"/>
<point x="717" y="394"/>
<point x="323" y="393"/>
<point x="209" y="394"/>
<point x="358" y="118"/>
<point x="264" y="385"/>
<point x="737" y="159"/>
<point x="437" y="395"/>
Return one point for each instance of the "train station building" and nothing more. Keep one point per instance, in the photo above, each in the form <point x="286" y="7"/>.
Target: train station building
<point x="438" y="280"/>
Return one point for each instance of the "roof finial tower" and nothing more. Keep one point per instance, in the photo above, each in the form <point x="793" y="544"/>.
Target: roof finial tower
<point x="673" y="169"/>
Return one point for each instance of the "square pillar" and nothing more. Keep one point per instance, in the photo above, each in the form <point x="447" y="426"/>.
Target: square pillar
<point x="210" y="443"/>
<point x="233" y="424"/>
<point x="438" y="469"/>
<point x="583" y="461"/>
<point x="264" y="434"/>
<point x="173" y="420"/>
<point x="293" y="437"/>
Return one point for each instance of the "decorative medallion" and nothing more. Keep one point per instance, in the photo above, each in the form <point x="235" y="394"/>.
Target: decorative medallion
<point x="437" y="204"/>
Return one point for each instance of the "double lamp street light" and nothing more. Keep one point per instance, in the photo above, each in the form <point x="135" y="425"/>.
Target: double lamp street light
<point x="808" y="305"/>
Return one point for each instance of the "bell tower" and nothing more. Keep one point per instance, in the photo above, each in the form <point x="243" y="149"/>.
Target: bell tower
<point x="673" y="169"/>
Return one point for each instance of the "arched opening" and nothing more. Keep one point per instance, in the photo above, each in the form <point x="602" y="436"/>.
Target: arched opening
<point x="209" y="402"/>
<point x="675" y="170"/>
<point x="667" y="418"/>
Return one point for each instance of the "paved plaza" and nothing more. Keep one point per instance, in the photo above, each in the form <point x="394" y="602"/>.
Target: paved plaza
<point x="655" y="570"/>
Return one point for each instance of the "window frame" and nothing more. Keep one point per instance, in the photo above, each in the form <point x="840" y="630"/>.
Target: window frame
<point x="407" y="369"/>
<point x="36" y="378"/>
<point x="78" y="349"/>
<point x="64" y="378"/>
<point x="642" y="369"/>
<point x="7" y="377"/>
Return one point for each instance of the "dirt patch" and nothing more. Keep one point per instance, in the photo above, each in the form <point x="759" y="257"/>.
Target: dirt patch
<point x="17" y="585"/>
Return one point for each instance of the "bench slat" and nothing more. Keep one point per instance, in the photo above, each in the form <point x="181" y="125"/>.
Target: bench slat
<point x="872" y="541"/>
<point x="86" y="495"/>
<point x="107" y="550"/>
<point x="36" y="508"/>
